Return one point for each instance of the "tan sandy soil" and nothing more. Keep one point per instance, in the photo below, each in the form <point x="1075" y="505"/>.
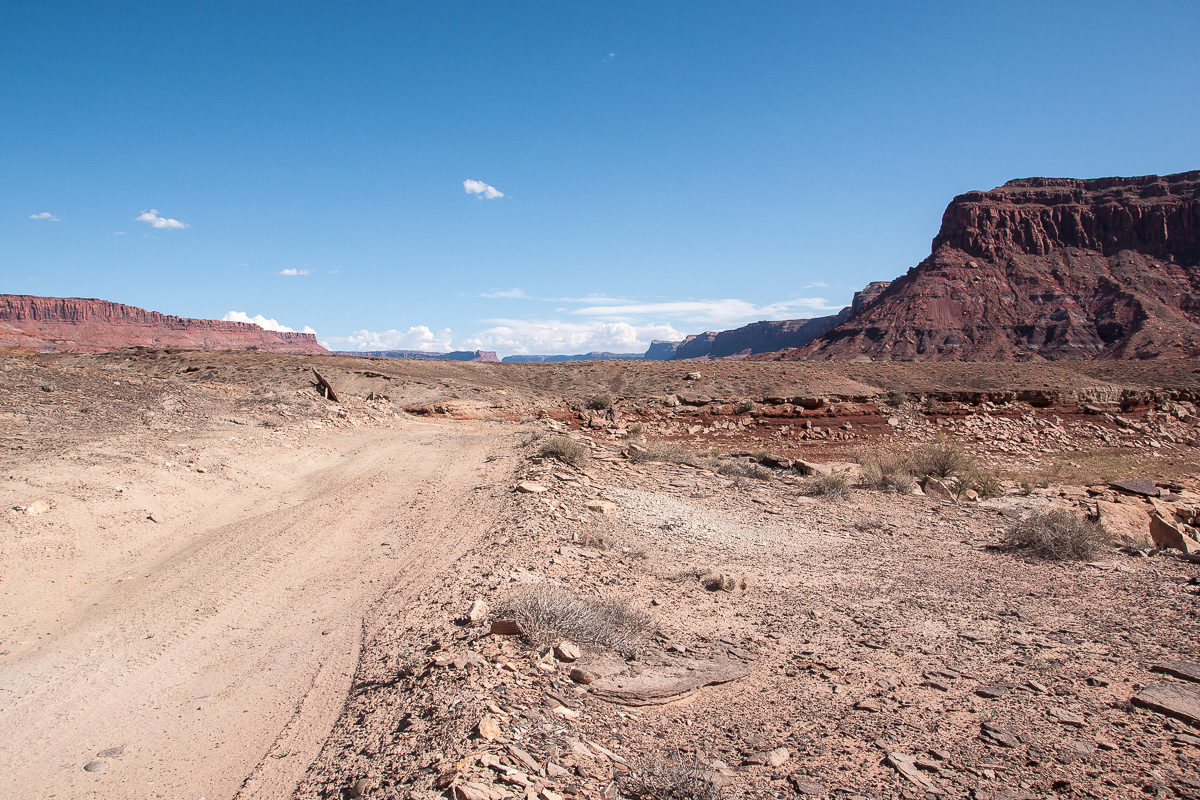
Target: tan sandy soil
<point x="235" y="575"/>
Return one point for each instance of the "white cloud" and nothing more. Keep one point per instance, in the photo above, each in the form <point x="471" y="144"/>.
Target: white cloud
<point x="507" y="293"/>
<point x="418" y="337"/>
<point x="46" y="215"/>
<point x="118" y="233"/>
<point x="291" y="272"/>
<point x="482" y="190"/>
<point x="156" y="221"/>
<point x="262" y="322"/>
<point x="547" y="337"/>
<point x="728" y="311"/>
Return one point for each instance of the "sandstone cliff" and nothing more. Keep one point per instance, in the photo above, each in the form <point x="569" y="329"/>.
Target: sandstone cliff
<point x="1044" y="268"/>
<point x="78" y="325"/>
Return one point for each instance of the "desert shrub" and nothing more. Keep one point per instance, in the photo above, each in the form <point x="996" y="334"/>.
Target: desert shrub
<point x="532" y="436"/>
<point x="895" y="399"/>
<point x="986" y="485"/>
<point x="738" y="468"/>
<point x="1059" y="534"/>
<point x="744" y="406"/>
<point x="634" y="431"/>
<point x="566" y="450"/>
<point x="832" y="487"/>
<point x="600" y="402"/>
<point x="663" y="451"/>
<point x="548" y="614"/>
<point x="759" y="454"/>
<point x="660" y="777"/>
<point x="942" y="459"/>
<point x="1026" y="487"/>
<point x="886" y="472"/>
<point x="867" y="525"/>
<point x="594" y="540"/>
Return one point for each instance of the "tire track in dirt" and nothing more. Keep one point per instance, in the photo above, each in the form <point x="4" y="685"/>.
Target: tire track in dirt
<point x="256" y="624"/>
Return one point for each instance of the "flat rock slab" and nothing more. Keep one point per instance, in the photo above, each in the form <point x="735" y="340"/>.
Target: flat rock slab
<point x="1175" y="699"/>
<point x="663" y="683"/>
<point x="1141" y="486"/>
<point x="1180" y="669"/>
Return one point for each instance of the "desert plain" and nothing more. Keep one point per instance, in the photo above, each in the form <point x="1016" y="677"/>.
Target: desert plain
<point x="222" y="576"/>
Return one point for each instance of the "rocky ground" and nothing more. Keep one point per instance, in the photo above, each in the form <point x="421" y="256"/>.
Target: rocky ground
<point x="788" y="643"/>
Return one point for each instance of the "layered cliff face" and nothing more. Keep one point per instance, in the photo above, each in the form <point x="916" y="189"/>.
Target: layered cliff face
<point x="1045" y="268"/>
<point x="78" y="325"/>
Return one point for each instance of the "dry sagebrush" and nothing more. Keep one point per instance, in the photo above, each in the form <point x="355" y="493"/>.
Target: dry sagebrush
<point x="548" y="614"/>
<point x="1059" y="534"/>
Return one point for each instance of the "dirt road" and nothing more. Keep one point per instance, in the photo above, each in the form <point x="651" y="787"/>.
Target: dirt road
<point x="187" y="616"/>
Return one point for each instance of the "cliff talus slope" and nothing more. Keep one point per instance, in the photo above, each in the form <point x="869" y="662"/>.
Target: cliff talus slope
<point x="79" y="325"/>
<point x="1044" y="268"/>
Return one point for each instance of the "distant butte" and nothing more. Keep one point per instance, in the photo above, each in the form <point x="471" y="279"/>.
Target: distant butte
<point x="79" y="325"/>
<point x="1043" y="268"/>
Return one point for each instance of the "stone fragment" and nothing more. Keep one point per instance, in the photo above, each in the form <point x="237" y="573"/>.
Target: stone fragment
<point x="1139" y="486"/>
<point x="1166" y="533"/>
<point x="906" y="765"/>
<point x="1128" y="521"/>
<point x="994" y="734"/>
<point x="776" y="462"/>
<point x="95" y="766"/>
<point x="505" y="627"/>
<point x="770" y="758"/>
<point x="1179" y="669"/>
<point x="530" y="487"/>
<point x="806" y="787"/>
<point x="567" y="651"/>
<point x="870" y="704"/>
<point x="658" y="684"/>
<point x="1174" y="699"/>
<point x="937" y="490"/>
<point x="811" y="468"/>
<point x="1061" y="715"/>
<point x="488" y="728"/>
<point x="694" y="376"/>
<point x="601" y="506"/>
<point x="1070" y="752"/>
<point x="478" y="612"/>
<point x="36" y="508"/>
<point x="582" y="676"/>
<point x="360" y="787"/>
<point x="993" y="692"/>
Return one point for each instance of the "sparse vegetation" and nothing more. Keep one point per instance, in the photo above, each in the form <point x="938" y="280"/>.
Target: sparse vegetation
<point x="669" y="452"/>
<point x="942" y="458"/>
<point x="600" y="402"/>
<point x="831" y="487"/>
<point x="661" y="777"/>
<point x="895" y="399"/>
<point x="1059" y="534"/>
<point x="634" y="431"/>
<point x="744" y="406"/>
<point x="758" y="454"/>
<point x="739" y="468"/>
<point x="535" y="435"/>
<point x="986" y="485"/>
<point x="886" y="472"/>
<point x="548" y="614"/>
<point x="594" y="540"/>
<point x="868" y="525"/>
<point x="566" y="450"/>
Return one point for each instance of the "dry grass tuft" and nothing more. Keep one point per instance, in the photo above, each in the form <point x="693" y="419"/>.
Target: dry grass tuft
<point x="600" y="402"/>
<point x="566" y="450"/>
<point x="744" y="469"/>
<point x="831" y="487"/>
<point x="664" y="451"/>
<point x="548" y="614"/>
<point x="596" y="541"/>
<point x="886" y="472"/>
<point x="1060" y="534"/>
<point x="661" y="777"/>
<point x="942" y="459"/>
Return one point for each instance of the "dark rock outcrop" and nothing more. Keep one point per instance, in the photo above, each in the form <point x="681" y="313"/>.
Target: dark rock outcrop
<point x="1044" y="268"/>
<point x="661" y="351"/>
<point x="81" y="325"/>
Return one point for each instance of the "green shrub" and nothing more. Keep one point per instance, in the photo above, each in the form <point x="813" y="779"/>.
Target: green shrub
<point x="744" y="407"/>
<point x="600" y="402"/>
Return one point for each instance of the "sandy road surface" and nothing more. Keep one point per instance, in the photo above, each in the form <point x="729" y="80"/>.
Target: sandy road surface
<point x="216" y="645"/>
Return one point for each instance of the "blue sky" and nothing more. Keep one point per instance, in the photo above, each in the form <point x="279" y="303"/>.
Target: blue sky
<point x="665" y="168"/>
